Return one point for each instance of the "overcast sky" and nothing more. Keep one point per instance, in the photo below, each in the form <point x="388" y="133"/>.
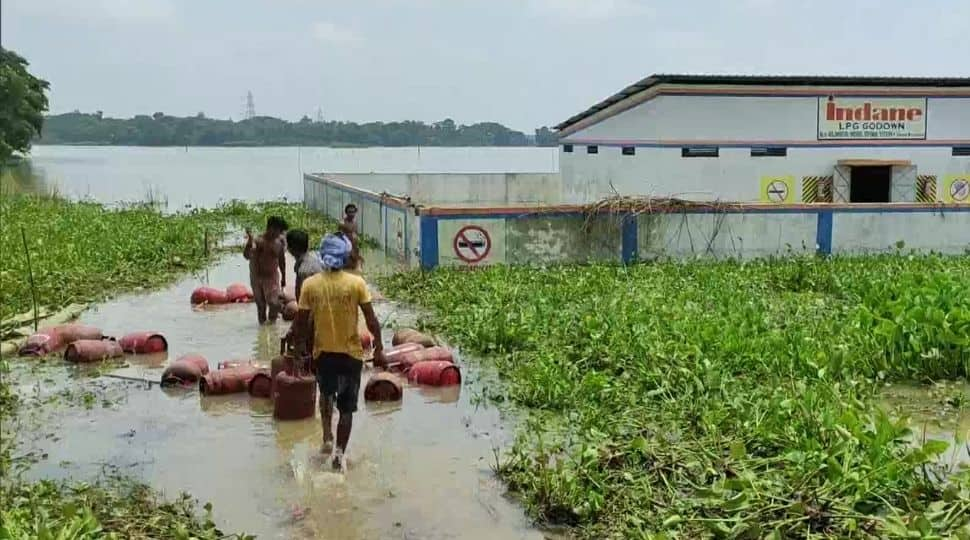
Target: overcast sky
<point x="523" y="63"/>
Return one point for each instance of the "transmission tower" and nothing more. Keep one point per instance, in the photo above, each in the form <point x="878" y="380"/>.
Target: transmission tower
<point x="250" y="106"/>
<point x="319" y="115"/>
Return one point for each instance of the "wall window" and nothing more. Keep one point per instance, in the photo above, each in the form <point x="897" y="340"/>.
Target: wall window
<point x="699" y="151"/>
<point x="769" y="151"/>
<point x="568" y="148"/>
<point x="592" y="149"/>
<point x="961" y="151"/>
<point x="629" y="151"/>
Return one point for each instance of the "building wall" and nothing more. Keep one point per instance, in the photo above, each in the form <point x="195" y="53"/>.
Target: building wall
<point x="660" y="127"/>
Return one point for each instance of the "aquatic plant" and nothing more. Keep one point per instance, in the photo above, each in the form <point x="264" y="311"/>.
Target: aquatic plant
<point x="723" y="399"/>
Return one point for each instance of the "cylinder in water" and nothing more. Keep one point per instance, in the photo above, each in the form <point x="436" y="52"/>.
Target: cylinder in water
<point x="437" y="373"/>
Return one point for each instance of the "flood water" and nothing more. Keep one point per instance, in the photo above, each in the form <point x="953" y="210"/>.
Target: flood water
<point x="417" y="469"/>
<point x="202" y="176"/>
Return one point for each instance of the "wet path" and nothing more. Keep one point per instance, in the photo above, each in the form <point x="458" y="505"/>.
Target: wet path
<point x="420" y="469"/>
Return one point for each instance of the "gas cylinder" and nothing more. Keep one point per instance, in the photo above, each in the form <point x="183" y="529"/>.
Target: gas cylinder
<point x="227" y="381"/>
<point x="144" y="343"/>
<point x="261" y="385"/>
<point x="238" y="293"/>
<point x="186" y="370"/>
<point x="92" y="350"/>
<point x="289" y="310"/>
<point x="439" y="373"/>
<point x="404" y="361"/>
<point x="383" y="386"/>
<point x="209" y="295"/>
<point x="366" y="340"/>
<point x="408" y="335"/>
<point x="52" y="338"/>
<point x="294" y="392"/>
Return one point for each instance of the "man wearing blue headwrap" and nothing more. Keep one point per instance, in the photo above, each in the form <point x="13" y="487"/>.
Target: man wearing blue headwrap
<point x="332" y="299"/>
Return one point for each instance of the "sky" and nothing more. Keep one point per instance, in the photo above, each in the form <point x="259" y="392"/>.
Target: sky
<point x="523" y="63"/>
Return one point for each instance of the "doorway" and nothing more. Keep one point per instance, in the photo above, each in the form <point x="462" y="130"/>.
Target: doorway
<point x="870" y="184"/>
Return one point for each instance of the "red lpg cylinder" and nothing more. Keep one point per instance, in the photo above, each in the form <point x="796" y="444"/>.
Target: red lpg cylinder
<point x="53" y="338"/>
<point x="144" y="343"/>
<point x="409" y="335"/>
<point x="383" y="386"/>
<point x="186" y="370"/>
<point x="209" y="295"/>
<point x="366" y="340"/>
<point x="238" y="293"/>
<point x="261" y="385"/>
<point x="289" y="310"/>
<point x="294" y="392"/>
<point x="434" y="374"/>
<point x="227" y="381"/>
<point x="404" y="361"/>
<point x="92" y="350"/>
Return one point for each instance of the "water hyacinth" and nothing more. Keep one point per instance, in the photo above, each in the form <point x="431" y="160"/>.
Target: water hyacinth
<point x="719" y="399"/>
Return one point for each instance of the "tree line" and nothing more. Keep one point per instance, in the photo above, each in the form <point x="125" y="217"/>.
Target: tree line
<point x="163" y="130"/>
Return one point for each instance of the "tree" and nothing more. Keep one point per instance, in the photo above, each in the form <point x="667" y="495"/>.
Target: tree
<point x="22" y="104"/>
<point x="546" y="137"/>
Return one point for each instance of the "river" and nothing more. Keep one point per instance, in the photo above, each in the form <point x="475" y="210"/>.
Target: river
<point x="204" y="176"/>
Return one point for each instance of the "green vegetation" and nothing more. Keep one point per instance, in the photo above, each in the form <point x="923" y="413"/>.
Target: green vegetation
<point x="722" y="399"/>
<point x="83" y="252"/>
<point x="163" y="130"/>
<point x="22" y="105"/>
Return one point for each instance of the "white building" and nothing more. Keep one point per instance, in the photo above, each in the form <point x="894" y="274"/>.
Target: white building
<point x="778" y="139"/>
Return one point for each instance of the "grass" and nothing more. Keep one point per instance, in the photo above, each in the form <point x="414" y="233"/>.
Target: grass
<point x="723" y="399"/>
<point x="84" y="252"/>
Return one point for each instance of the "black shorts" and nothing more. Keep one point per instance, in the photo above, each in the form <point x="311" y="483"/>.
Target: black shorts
<point x="338" y="375"/>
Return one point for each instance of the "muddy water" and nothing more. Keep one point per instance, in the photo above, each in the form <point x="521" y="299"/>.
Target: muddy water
<point x="939" y="411"/>
<point x="420" y="469"/>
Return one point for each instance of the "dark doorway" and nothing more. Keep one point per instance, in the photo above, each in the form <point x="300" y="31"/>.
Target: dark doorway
<point x="870" y="184"/>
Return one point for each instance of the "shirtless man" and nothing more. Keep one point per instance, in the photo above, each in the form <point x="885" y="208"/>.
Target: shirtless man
<point x="267" y="267"/>
<point x="349" y="229"/>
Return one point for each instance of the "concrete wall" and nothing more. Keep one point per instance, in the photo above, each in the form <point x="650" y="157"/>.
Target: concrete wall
<point x="461" y="188"/>
<point x="557" y="235"/>
<point x="660" y="127"/>
<point x="389" y="221"/>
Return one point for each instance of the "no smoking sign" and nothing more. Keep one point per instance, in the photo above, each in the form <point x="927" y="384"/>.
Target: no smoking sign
<point x="472" y="244"/>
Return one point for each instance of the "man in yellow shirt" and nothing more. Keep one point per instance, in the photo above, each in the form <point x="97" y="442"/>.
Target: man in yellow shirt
<point x="331" y="299"/>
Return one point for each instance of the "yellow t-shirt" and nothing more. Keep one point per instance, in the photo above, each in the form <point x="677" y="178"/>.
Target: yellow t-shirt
<point x="334" y="298"/>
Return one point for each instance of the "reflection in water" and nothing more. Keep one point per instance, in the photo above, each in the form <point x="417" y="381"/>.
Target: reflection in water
<point x="939" y="411"/>
<point x="416" y="469"/>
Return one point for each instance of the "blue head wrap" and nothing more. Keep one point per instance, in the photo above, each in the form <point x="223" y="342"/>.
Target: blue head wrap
<point x="334" y="251"/>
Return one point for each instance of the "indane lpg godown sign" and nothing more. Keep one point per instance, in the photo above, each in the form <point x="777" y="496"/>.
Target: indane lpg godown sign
<point x="871" y="118"/>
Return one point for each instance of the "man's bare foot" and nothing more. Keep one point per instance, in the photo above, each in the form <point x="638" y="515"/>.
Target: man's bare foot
<point x="326" y="447"/>
<point x="338" y="461"/>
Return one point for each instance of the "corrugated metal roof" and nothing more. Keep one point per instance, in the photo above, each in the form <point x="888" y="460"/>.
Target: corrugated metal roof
<point x="777" y="80"/>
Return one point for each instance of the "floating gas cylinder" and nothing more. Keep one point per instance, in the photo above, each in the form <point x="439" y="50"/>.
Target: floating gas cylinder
<point x="238" y="293"/>
<point x="261" y="384"/>
<point x="404" y="361"/>
<point x="436" y="373"/>
<point x="409" y="335"/>
<point x="383" y="386"/>
<point x="53" y="338"/>
<point x="209" y="295"/>
<point x="229" y="380"/>
<point x="294" y="392"/>
<point x="92" y="350"/>
<point x="186" y="370"/>
<point x="143" y="343"/>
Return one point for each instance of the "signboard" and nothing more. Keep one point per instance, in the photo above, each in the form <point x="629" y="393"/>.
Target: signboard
<point x="472" y="244"/>
<point x="777" y="189"/>
<point x="841" y="118"/>
<point x="956" y="188"/>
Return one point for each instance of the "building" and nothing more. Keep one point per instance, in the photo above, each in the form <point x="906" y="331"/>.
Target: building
<point x="773" y="139"/>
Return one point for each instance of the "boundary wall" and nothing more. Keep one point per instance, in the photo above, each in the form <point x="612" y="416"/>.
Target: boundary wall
<point x="468" y="235"/>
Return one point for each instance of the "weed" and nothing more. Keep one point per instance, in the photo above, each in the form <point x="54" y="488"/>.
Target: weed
<point x="725" y="399"/>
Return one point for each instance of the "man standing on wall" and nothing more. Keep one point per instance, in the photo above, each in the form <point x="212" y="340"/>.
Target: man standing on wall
<point x="332" y="299"/>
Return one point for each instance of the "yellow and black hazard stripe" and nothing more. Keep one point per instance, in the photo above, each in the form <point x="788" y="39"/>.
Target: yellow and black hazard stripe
<point x="926" y="188"/>
<point x="816" y="189"/>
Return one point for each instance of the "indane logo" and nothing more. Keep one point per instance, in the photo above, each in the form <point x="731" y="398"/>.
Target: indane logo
<point x="871" y="118"/>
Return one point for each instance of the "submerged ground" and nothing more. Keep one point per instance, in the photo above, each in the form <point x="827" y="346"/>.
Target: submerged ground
<point x="725" y="399"/>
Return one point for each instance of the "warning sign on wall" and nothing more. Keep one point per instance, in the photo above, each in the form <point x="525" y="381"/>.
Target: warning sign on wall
<point x="777" y="189"/>
<point x="472" y="244"/>
<point x="956" y="189"/>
